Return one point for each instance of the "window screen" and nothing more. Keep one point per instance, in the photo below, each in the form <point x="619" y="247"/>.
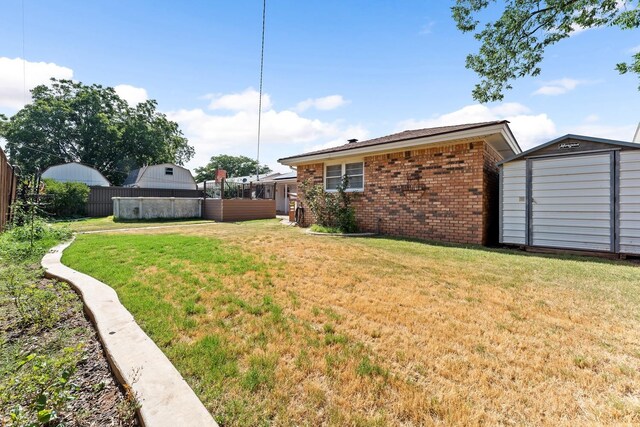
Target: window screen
<point x="354" y="172"/>
<point x="333" y="177"/>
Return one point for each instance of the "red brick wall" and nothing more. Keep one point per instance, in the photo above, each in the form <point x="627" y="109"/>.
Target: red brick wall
<point x="442" y="193"/>
<point x="314" y="174"/>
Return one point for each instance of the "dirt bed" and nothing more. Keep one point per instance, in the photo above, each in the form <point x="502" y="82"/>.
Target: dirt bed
<point x="35" y="356"/>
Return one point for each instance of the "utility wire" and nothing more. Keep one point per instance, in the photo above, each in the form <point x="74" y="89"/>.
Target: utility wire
<point x="264" y="15"/>
<point x="24" y="61"/>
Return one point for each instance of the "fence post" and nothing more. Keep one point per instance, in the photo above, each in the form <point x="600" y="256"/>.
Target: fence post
<point x="204" y="199"/>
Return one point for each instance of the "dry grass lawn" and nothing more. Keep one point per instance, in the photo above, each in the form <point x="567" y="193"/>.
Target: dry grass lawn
<point x="292" y="329"/>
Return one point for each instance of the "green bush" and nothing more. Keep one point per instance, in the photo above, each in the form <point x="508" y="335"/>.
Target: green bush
<point x="66" y="199"/>
<point x="332" y="211"/>
<point x="28" y="242"/>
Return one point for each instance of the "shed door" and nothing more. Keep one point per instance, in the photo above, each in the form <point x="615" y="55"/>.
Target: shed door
<point x="571" y="202"/>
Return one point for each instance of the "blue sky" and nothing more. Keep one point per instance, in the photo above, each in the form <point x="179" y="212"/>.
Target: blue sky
<point x="334" y="70"/>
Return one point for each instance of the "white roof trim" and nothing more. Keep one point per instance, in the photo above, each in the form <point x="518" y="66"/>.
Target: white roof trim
<point x="501" y="129"/>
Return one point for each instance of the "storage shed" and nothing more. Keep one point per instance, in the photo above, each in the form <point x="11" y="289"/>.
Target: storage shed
<point x="76" y="172"/>
<point x="165" y="175"/>
<point x="575" y="192"/>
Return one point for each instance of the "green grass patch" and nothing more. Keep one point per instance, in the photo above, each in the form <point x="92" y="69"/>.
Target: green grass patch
<point x="210" y="306"/>
<point x="367" y="368"/>
<point x="109" y="223"/>
<point x="264" y="323"/>
<point x="324" y="229"/>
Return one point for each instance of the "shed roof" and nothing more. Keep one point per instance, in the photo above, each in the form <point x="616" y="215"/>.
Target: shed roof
<point x="133" y="176"/>
<point x="62" y="165"/>
<point x="568" y="136"/>
<point x="407" y="135"/>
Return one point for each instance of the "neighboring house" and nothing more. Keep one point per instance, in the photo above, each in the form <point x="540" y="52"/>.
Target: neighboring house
<point x="252" y="178"/>
<point x="249" y="181"/>
<point x="286" y="186"/>
<point x="575" y="192"/>
<point x="437" y="183"/>
<point x="76" y="172"/>
<point x="165" y="175"/>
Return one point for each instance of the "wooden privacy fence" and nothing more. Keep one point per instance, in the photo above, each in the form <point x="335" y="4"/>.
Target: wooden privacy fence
<point x="8" y="182"/>
<point x="238" y="209"/>
<point x="100" y="203"/>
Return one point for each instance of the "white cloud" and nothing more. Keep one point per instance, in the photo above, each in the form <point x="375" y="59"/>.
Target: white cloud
<point x="427" y="28"/>
<point x="358" y="132"/>
<point x="578" y="29"/>
<point x="247" y="100"/>
<point x="620" y="133"/>
<point x="330" y="102"/>
<point x="592" y="118"/>
<point x="234" y="132"/>
<point x="559" y="87"/>
<point x="634" y="50"/>
<point x="12" y="81"/>
<point x="529" y="129"/>
<point x="133" y="95"/>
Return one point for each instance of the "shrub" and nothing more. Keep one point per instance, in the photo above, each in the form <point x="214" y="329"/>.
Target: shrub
<point x="39" y="387"/>
<point x="28" y="242"/>
<point x="39" y="305"/>
<point x="66" y="199"/>
<point x="332" y="211"/>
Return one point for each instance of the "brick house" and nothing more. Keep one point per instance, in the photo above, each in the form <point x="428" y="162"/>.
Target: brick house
<point x="436" y="183"/>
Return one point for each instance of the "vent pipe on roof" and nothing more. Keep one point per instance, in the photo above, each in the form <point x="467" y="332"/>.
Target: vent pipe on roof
<point x="351" y="141"/>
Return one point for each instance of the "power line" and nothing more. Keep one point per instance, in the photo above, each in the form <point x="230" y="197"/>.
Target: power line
<point x="24" y="61"/>
<point x="264" y="15"/>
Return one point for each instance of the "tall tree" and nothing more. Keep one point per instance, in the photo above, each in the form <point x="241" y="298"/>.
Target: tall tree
<point x="513" y="46"/>
<point x="234" y="165"/>
<point x="71" y="122"/>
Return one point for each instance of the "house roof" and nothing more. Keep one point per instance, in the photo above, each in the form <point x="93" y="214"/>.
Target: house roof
<point x="408" y="136"/>
<point x="288" y="175"/>
<point x="251" y="178"/>
<point x="612" y="142"/>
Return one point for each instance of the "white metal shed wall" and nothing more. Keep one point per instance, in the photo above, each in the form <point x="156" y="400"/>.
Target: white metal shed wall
<point x="571" y="202"/>
<point x="155" y="177"/>
<point x="629" y="202"/>
<point x="513" y="203"/>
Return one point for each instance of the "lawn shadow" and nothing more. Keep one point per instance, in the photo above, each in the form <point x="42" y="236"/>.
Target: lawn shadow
<point x="594" y="258"/>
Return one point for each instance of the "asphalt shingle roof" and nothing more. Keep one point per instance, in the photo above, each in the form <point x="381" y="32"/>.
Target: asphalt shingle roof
<point x="401" y="136"/>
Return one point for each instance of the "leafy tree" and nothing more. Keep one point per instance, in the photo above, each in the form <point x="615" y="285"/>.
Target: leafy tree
<point x="234" y="165"/>
<point x="73" y="122"/>
<point x="513" y="45"/>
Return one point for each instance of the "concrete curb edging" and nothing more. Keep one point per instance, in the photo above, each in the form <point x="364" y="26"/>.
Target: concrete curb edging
<point x="315" y="233"/>
<point x="166" y="398"/>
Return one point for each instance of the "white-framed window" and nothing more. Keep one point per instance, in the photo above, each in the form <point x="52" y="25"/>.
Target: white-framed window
<point x="354" y="171"/>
